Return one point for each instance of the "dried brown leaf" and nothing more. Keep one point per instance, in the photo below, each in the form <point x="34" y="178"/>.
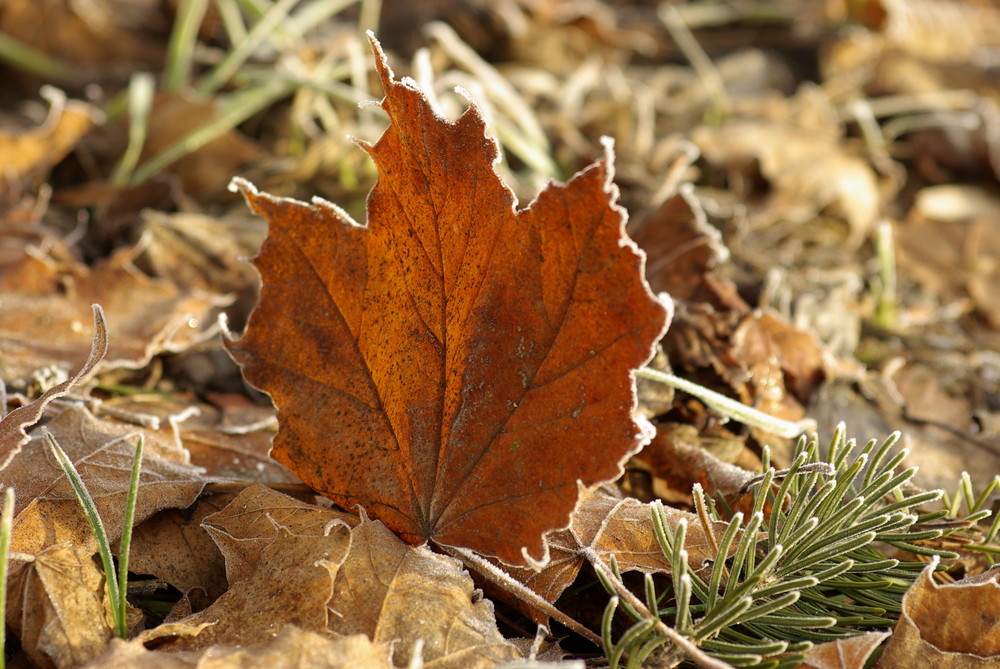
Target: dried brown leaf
<point x="56" y="607"/>
<point x="173" y="546"/>
<point x="207" y="170"/>
<point x="850" y="653"/>
<point x="290" y="584"/>
<point x="683" y="251"/>
<point x="28" y="154"/>
<point x="47" y="508"/>
<point x="953" y="626"/>
<point x="248" y="525"/>
<point x="954" y="259"/>
<point x="291" y="648"/>
<point x="676" y="458"/>
<point x="13" y="426"/>
<point x="230" y="444"/>
<point x="199" y="251"/>
<point x="115" y="32"/>
<point x="389" y="590"/>
<point x="45" y="307"/>
<point x="444" y="365"/>
<point x="617" y="526"/>
<point x="765" y="339"/>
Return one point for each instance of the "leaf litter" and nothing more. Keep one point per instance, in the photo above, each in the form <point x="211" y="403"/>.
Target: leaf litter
<point x="768" y="254"/>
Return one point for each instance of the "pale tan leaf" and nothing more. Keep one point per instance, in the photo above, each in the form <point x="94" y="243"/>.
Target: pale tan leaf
<point x="953" y="626"/>
<point x="56" y="607"/>
<point x="850" y="653"/>
<point x="13" y="426"/>
<point x="291" y="648"/>
<point x="47" y="510"/>
<point x="200" y="251"/>
<point x="807" y="172"/>
<point x="389" y="591"/>
<point x="247" y="526"/>
<point x="46" y="306"/>
<point x="290" y="585"/>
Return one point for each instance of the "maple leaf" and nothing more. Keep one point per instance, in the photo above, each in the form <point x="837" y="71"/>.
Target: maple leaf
<point x="457" y="365"/>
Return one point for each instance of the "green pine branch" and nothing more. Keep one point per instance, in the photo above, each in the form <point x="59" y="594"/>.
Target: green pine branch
<point x="804" y="567"/>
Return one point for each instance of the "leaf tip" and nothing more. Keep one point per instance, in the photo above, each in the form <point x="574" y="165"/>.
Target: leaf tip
<point x="381" y="62"/>
<point x="251" y="195"/>
<point x="241" y="185"/>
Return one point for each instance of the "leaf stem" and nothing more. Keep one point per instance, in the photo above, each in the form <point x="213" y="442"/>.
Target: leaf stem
<point x="502" y="579"/>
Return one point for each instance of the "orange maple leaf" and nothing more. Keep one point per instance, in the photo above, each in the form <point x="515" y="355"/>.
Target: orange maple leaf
<point x="456" y="366"/>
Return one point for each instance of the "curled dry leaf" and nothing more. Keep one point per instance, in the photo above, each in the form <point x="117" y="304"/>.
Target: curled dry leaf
<point x="684" y="250"/>
<point x="456" y="366"/>
<point x="55" y="606"/>
<point x="43" y="312"/>
<point x="612" y="525"/>
<point x="47" y="508"/>
<point x="29" y="154"/>
<point x="948" y="626"/>
<point x="13" y="435"/>
<point x="290" y="585"/>
<point x="850" y="653"/>
<point x="248" y="525"/>
<point x="291" y="648"/>
<point x="390" y="591"/>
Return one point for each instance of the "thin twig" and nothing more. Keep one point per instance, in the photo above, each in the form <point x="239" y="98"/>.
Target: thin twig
<point x="502" y="579"/>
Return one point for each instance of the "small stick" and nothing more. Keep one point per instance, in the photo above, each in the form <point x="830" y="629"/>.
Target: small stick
<point x="502" y="579"/>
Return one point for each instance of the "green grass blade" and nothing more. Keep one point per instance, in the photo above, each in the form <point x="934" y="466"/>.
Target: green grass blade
<point x="126" y="541"/>
<point x="6" y="521"/>
<point x="90" y="509"/>
<point x="235" y="58"/>
<point x="25" y="57"/>
<point x="249" y="103"/>
<point x="180" y="51"/>
<point x="141" y="90"/>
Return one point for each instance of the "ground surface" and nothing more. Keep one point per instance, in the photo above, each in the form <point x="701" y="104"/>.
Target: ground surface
<point x="814" y="184"/>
